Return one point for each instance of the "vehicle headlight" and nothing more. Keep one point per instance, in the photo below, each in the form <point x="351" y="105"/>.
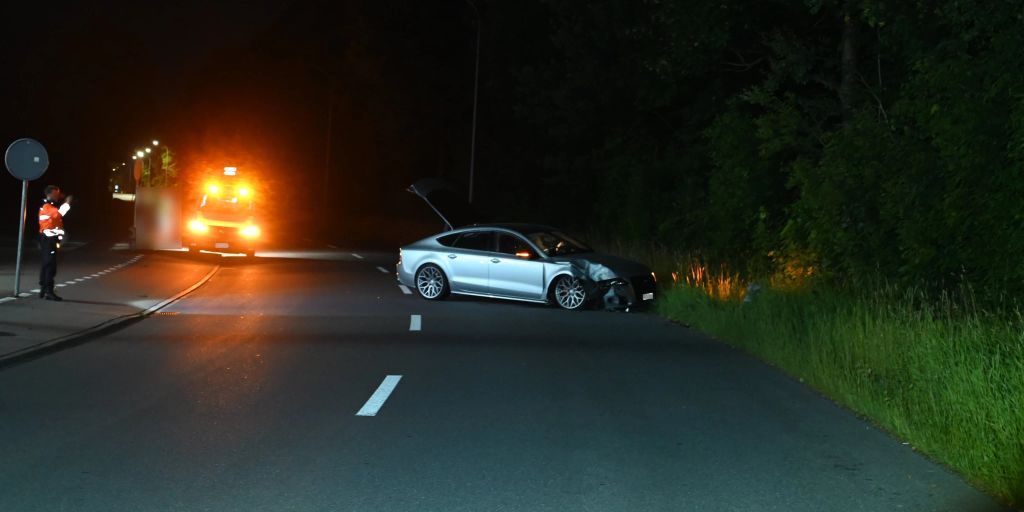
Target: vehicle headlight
<point x="604" y="285"/>
<point x="198" y="226"/>
<point x="251" y="231"/>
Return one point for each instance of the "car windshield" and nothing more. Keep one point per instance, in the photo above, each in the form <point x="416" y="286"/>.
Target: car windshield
<point x="225" y="208"/>
<point x="556" y="243"/>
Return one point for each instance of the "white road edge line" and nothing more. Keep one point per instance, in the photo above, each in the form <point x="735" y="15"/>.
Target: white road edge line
<point x="356" y="256"/>
<point x="6" y="299"/>
<point x="156" y="307"/>
<point x="415" y="322"/>
<point x="382" y="269"/>
<point x="377" y="399"/>
<point x="405" y="289"/>
<point x="109" y="323"/>
<point x="24" y="294"/>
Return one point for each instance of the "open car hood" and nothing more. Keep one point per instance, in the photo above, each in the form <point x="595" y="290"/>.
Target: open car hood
<point x="446" y="202"/>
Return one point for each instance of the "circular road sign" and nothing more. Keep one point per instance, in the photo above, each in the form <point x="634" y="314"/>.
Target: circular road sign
<point x="26" y="159"/>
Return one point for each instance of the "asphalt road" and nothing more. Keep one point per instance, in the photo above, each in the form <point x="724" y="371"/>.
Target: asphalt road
<point x="244" y="396"/>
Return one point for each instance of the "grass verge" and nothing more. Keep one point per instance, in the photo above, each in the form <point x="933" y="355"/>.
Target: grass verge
<point x="939" y="374"/>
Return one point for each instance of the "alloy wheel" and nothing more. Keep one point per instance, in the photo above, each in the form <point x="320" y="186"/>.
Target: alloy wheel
<point x="569" y="292"/>
<point x="430" y="282"/>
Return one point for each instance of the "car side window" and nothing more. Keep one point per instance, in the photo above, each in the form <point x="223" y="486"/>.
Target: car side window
<point x="448" y="240"/>
<point x="510" y="244"/>
<point x="476" y="241"/>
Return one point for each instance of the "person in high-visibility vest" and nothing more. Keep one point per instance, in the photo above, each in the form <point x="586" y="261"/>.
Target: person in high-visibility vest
<point x="51" y="233"/>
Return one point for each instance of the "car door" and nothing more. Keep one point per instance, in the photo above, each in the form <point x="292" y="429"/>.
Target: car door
<point x="516" y="269"/>
<point x="469" y="259"/>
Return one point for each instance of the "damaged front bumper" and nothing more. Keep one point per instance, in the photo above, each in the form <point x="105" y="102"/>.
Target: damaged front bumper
<point x="621" y="294"/>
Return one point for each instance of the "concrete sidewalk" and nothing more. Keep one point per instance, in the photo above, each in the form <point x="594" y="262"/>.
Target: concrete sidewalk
<point x="99" y="295"/>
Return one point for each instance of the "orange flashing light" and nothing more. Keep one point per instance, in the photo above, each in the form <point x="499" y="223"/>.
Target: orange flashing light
<point x="523" y="254"/>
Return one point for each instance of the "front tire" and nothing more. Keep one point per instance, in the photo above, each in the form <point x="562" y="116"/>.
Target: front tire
<point x="569" y="293"/>
<point x="431" y="283"/>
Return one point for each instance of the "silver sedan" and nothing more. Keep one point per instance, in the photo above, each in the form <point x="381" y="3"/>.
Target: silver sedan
<point x="524" y="262"/>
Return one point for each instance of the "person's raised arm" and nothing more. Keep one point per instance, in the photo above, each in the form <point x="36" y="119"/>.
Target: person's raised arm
<point x="65" y="207"/>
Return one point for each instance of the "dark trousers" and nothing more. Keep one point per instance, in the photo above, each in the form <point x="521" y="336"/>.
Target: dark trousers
<point x="48" y="250"/>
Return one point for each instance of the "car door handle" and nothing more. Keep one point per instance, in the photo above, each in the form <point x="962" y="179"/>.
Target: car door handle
<point x="452" y="256"/>
<point x="495" y="260"/>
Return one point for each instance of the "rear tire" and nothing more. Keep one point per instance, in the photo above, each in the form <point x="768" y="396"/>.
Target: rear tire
<point x="569" y="293"/>
<point x="431" y="283"/>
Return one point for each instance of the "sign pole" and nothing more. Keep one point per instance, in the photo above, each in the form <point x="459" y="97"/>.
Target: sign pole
<point x="21" y="237"/>
<point x="26" y="160"/>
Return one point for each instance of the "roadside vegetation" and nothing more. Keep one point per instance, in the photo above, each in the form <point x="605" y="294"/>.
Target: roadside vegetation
<point x="861" y="161"/>
<point x="937" y="371"/>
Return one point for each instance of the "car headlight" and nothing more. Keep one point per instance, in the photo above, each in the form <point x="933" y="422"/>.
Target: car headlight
<point x="198" y="226"/>
<point x="251" y="231"/>
<point x="618" y="281"/>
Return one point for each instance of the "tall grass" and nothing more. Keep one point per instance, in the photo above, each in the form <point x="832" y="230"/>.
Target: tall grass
<point x="937" y="372"/>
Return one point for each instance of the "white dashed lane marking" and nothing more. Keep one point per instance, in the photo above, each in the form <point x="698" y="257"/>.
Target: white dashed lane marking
<point x="356" y="256"/>
<point x="405" y="289"/>
<point x="77" y="280"/>
<point x="377" y="399"/>
<point x="415" y="322"/>
<point x="382" y="269"/>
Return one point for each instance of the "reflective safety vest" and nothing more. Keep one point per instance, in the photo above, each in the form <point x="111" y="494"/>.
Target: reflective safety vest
<point x="51" y="218"/>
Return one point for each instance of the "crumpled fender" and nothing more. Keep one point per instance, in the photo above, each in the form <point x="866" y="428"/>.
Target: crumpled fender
<point x="602" y="283"/>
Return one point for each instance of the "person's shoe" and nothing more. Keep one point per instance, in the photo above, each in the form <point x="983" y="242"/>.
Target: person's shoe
<point x="50" y="295"/>
<point x="42" y="292"/>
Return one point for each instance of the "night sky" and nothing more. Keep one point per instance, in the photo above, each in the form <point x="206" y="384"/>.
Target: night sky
<point x="247" y="84"/>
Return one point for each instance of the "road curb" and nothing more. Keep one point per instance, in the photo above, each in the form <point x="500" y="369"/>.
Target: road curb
<point x="107" y="327"/>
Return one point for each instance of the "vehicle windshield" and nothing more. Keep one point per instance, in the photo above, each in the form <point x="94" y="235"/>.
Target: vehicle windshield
<point x="228" y="208"/>
<point x="556" y="243"/>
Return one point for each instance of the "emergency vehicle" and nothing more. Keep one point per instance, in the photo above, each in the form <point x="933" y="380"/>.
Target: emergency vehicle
<point x="225" y="219"/>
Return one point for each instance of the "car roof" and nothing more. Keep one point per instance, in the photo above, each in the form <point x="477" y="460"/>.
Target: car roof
<point x="518" y="227"/>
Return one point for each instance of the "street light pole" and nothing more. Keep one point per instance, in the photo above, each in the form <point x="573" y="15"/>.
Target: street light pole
<point x="476" y="89"/>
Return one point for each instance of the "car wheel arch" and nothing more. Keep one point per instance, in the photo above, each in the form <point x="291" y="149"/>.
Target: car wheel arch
<point x="445" y="280"/>
<point x="549" y="292"/>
